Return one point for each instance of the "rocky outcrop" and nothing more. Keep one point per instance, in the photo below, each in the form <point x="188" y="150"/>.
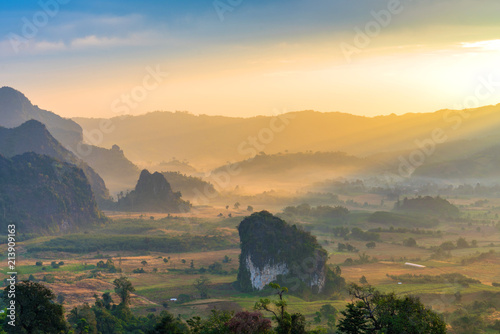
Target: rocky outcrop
<point x="260" y="277"/>
<point x="153" y="194"/>
<point x="274" y="251"/>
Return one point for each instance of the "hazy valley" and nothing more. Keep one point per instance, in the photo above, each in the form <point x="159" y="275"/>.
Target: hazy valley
<point x="314" y="201"/>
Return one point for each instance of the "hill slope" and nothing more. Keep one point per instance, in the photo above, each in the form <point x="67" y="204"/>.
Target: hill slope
<point x="44" y="195"/>
<point x="484" y="164"/>
<point x="189" y="186"/>
<point x="119" y="173"/>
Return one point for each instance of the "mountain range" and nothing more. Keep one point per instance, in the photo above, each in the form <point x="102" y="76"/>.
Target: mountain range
<point x="33" y="136"/>
<point x="116" y="170"/>
<point x="305" y="146"/>
<point x="210" y="141"/>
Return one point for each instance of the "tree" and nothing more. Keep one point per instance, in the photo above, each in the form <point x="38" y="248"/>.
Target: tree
<point x="201" y="285"/>
<point x="217" y="322"/>
<point x="287" y="323"/>
<point x="375" y="312"/>
<point x="410" y="242"/>
<point x="215" y="268"/>
<point x="371" y="244"/>
<point x="83" y="319"/>
<point x="237" y="205"/>
<point x="277" y="308"/>
<point x="36" y="310"/>
<point x="354" y="321"/>
<point x="123" y="288"/>
<point x="249" y="322"/>
<point x="60" y="298"/>
<point x="468" y="324"/>
<point x="107" y="300"/>
<point x="144" y="263"/>
<point x="169" y="325"/>
<point x="363" y="280"/>
<point x="462" y="243"/>
<point x="330" y="313"/>
<point x="250" y="208"/>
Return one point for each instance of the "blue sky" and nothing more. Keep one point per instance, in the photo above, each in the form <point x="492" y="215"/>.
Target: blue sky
<point x="262" y="57"/>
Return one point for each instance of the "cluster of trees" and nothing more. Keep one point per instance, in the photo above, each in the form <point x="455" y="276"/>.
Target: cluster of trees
<point x="376" y="312"/>
<point x="453" y="278"/>
<point x="362" y="259"/>
<point x="346" y="247"/>
<point x="475" y="318"/>
<point x="479" y="257"/>
<point x="337" y="212"/>
<point x="37" y="312"/>
<point x="405" y="230"/>
<point x="355" y="233"/>
<point x="87" y="243"/>
<point x="395" y="219"/>
<point x="443" y="251"/>
<point x="108" y="266"/>
<point x="427" y="205"/>
<point x="359" y="234"/>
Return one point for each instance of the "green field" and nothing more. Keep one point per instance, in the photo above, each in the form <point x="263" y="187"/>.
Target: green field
<point x="169" y="245"/>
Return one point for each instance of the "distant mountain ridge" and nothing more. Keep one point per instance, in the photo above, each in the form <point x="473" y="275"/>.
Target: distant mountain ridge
<point x="189" y="186"/>
<point x="33" y="136"/>
<point x="484" y="164"/>
<point x="207" y="140"/>
<point x="16" y="108"/>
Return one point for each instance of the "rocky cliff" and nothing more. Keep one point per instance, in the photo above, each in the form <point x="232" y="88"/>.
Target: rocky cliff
<point x="272" y="250"/>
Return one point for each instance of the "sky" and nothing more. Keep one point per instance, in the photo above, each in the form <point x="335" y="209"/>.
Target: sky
<point x="244" y="58"/>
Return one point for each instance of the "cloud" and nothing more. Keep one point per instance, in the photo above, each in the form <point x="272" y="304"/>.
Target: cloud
<point x="13" y="46"/>
<point x="45" y="46"/>
<point x="490" y="45"/>
<point x="103" y="41"/>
